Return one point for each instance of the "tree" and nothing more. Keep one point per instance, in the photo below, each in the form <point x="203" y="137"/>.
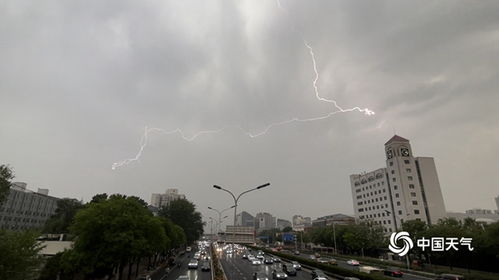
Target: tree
<point x="18" y="255"/>
<point x="6" y="176"/>
<point x="287" y="229"/>
<point x="99" y="198"/>
<point x="183" y="213"/>
<point x="114" y="233"/>
<point x="63" y="216"/>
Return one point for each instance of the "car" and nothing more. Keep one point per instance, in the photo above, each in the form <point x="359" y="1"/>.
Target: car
<point x="256" y="262"/>
<point x="394" y="272"/>
<point x="296" y="265"/>
<point x="245" y="256"/>
<point x="279" y="274"/>
<point x="353" y="262"/>
<point x="260" y="276"/>
<point x="183" y="277"/>
<point x="446" y="276"/>
<point x="276" y="260"/>
<point x="327" y="261"/>
<point x="268" y="261"/>
<point x="206" y="266"/>
<point x="188" y="249"/>
<point x="320" y="278"/>
<point x="318" y="273"/>
<point x="289" y="269"/>
<point x="296" y="252"/>
<point x="197" y="255"/>
<point x="193" y="264"/>
<point x="261" y="257"/>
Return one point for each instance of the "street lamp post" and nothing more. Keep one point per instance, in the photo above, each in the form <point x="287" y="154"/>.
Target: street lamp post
<point x="220" y="215"/>
<point x="236" y="199"/>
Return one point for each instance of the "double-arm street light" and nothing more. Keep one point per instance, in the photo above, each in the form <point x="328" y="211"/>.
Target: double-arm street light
<point x="220" y="215"/>
<point x="236" y="199"/>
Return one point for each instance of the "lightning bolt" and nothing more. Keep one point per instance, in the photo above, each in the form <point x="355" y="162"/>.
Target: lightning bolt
<point x="336" y="109"/>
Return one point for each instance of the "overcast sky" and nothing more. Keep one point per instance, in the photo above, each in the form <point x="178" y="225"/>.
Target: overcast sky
<point x="80" y="80"/>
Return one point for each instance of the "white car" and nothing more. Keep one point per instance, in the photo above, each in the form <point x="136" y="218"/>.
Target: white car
<point x="188" y="249"/>
<point x="353" y="262"/>
<point x="296" y="266"/>
<point x="256" y="262"/>
<point x="193" y="264"/>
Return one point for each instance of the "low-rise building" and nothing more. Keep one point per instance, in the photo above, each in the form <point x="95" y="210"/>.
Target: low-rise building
<point x="337" y="219"/>
<point x="282" y="224"/>
<point x="238" y="234"/>
<point x="25" y="209"/>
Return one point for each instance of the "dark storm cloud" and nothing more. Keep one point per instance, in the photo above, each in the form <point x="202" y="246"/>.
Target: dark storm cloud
<point x="79" y="80"/>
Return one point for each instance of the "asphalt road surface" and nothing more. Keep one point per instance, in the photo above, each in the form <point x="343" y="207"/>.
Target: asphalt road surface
<point x="175" y="272"/>
<point x="237" y="268"/>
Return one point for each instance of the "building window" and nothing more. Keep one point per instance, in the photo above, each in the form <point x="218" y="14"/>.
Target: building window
<point x="397" y="195"/>
<point x="394" y="179"/>
<point x="395" y="187"/>
<point x="414" y="202"/>
<point x="408" y="170"/>
<point x="406" y="161"/>
<point x="409" y="178"/>
<point x="411" y="186"/>
<point x="416" y="211"/>
<point x="400" y="212"/>
<point x="393" y="171"/>
<point x="389" y="222"/>
<point x="398" y="203"/>
<point x="413" y="194"/>
<point x="391" y="163"/>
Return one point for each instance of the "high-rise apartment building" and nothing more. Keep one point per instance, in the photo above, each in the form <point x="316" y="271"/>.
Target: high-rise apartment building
<point x="407" y="189"/>
<point x="164" y="199"/>
<point x="245" y="219"/>
<point x="24" y="209"/>
<point x="264" y="221"/>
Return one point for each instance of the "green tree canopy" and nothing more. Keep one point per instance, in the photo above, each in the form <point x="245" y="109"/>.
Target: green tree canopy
<point x="113" y="232"/>
<point x="18" y="255"/>
<point x="6" y="176"/>
<point x="63" y="216"/>
<point x="183" y="213"/>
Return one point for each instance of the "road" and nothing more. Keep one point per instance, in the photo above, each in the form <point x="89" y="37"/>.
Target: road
<point x="237" y="268"/>
<point x="343" y="264"/>
<point x="175" y="272"/>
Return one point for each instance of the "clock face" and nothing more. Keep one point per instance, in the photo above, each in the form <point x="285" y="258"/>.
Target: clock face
<point x="389" y="154"/>
<point x="404" y="152"/>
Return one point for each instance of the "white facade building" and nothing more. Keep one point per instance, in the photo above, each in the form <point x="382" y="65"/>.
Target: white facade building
<point x="407" y="189"/>
<point x="164" y="199"/>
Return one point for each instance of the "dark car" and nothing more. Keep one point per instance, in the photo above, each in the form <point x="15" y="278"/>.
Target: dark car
<point x="268" y="261"/>
<point x="318" y="273"/>
<point x="260" y="276"/>
<point x="394" y="272"/>
<point x="206" y="266"/>
<point x="446" y="276"/>
<point x="288" y="268"/>
<point x="279" y="274"/>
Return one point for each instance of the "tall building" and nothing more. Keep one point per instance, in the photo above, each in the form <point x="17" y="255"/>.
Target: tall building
<point x="407" y="189"/>
<point x="164" y="199"/>
<point x="282" y="224"/>
<point x="264" y="221"/>
<point x="24" y="209"/>
<point x="245" y="219"/>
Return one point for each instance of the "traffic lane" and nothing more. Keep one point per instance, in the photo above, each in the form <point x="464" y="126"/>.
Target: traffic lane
<point x="237" y="268"/>
<point x="345" y="265"/>
<point x="194" y="274"/>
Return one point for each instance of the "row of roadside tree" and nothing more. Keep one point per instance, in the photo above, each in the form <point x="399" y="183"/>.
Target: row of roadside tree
<point x="114" y="237"/>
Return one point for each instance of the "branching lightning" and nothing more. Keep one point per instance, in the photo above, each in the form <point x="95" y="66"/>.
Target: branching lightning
<point x="265" y="130"/>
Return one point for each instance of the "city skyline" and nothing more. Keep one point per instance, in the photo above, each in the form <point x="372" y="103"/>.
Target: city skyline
<point x="75" y="98"/>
